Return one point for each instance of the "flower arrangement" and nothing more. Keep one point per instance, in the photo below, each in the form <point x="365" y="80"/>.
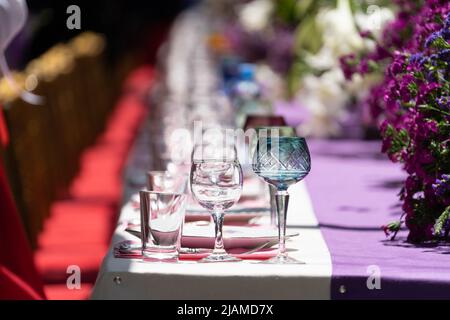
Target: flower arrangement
<point x="296" y="46"/>
<point x="322" y="88"/>
<point x="412" y="106"/>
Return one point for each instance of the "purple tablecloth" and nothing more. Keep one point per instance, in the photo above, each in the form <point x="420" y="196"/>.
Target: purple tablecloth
<point x="354" y="189"/>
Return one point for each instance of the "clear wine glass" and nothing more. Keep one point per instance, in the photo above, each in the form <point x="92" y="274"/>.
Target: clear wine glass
<point x="282" y="162"/>
<point x="216" y="183"/>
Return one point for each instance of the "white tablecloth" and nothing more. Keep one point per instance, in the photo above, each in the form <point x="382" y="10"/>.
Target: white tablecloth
<point x="135" y="279"/>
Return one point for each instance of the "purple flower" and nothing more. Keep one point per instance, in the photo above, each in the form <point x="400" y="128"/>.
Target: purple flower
<point x="374" y="102"/>
<point x="380" y="53"/>
<point x="424" y="90"/>
<point x="432" y="38"/>
<point x="447" y="22"/>
<point x="419" y="232"/>
<point x="412" y="184"/>
<point x="348" y="63"/>
<point x="444" y="55"/>
<point x="363" y="67"/>
<point x="397" y="66"/>
<point x="416" y="58"/>
<point x="446" y="30"/>
<point x="415" y="50"/>
<point x="441" y="186"/>
<point x="366" y="34"/>
<point x="443" y="102"/>
<point x="446" y="225"/>
<point x="406" y="81"/>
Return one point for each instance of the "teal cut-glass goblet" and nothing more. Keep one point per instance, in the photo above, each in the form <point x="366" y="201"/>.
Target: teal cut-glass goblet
<point x="282" y="162"/>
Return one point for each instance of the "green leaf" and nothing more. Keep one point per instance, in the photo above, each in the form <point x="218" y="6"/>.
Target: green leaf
<point x="441" y="43"/>
<point x="394" y="225"/>
<point x="441" y="221"/>
<point x="308" y="36"/>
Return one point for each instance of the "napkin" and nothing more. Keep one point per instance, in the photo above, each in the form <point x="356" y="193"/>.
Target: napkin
<point x="262" y="254"/>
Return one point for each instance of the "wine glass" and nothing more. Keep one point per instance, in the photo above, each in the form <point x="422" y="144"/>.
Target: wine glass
<point x="282" y="162"/>
<point x="216" y="183"/>
<point x="272" y="131"/>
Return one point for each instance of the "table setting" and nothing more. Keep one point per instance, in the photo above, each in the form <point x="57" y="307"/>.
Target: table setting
<point x="249" y="237"/>
<point x="225" y="150"/>
<point x="294" y="205"/>
<point x="164" y="203"/>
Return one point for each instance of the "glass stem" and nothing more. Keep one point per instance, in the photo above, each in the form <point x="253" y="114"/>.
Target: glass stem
<point x="218" y="221"/>
<point x="282" y="201"/>
<point x="273" y="206"/>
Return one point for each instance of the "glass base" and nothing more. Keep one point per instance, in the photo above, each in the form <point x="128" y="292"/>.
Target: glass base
<point x="160" y="259"/>
<point x="282" y="259"/>
<point x="154" y="255"/>
<point x="219" y="257"/>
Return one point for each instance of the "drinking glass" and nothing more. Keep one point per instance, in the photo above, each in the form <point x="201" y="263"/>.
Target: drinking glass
<point x="272" y="131"/>
<point x="282" y="162"/>
<point x="216" y="183"/>
<point x="162" y="218"/>
<point x="164" y="181"/>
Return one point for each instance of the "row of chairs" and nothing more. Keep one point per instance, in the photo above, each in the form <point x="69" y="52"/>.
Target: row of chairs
<point x="46" y="141"/>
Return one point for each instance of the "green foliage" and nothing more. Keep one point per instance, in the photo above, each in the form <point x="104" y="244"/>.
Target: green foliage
<point x="400" y="140"/>
<point x="439" y="225"/>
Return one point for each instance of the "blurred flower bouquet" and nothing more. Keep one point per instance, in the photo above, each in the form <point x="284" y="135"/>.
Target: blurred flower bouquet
<point x="412" y="103"/>
<point x="317" y="76"/>
<point x="297" y="46"/>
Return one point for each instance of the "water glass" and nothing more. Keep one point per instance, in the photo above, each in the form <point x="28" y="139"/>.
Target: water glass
<point x="162" y="218"/>
<point x="216" y="184"/>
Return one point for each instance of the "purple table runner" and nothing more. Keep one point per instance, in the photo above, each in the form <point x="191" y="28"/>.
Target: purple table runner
<point x="354" y="189"/>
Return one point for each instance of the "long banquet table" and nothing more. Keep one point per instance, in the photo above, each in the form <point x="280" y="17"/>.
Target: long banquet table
<point x="350" y="192"/>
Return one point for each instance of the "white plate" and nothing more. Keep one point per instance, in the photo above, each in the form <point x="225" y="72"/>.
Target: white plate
<point x="199" y="236"/>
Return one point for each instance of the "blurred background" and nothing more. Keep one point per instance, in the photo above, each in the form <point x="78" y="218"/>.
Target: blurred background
<point x="318" y="66"/>
<point x="63" y="159"/>
<point x="124" y="25"/>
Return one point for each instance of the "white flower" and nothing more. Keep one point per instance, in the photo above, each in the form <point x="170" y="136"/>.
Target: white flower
<point x="326" y="100"/>
<point x="339" y="31"/>
<point x="374" y="19"/>
<point x="270" y="81"/>
<point x="324" y="59"/>
<point x="254" y="16"/>
<point x="326" y="97"/>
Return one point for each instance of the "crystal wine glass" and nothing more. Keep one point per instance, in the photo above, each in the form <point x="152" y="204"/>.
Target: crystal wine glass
<point x="216" y="183"/>
<point x="272" y="131"/>
<point x="282" y="162"/>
